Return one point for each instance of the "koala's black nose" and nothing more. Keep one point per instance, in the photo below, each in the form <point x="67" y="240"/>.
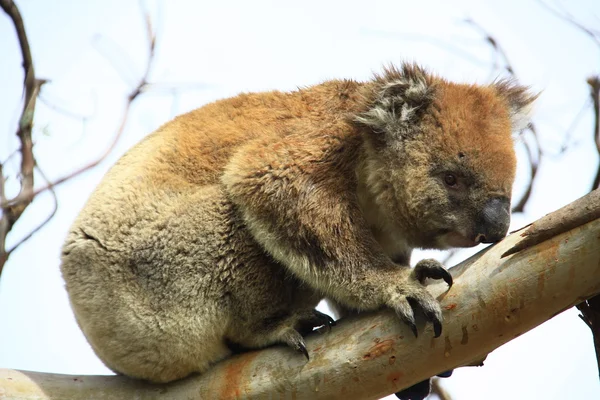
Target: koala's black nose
<point x="494" y="221"/>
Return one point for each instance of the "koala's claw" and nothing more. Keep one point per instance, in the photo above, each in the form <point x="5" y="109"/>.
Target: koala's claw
<point x="430" y="268"/>
<point x="294" y="339"/>
<point x="405" y="312"/>
<point x="429" y="307"/>
<point x="302" y="349"/>
<point x="432" y="311"/>
<point x="413" y="296"/>
<point x="437" y="329"/>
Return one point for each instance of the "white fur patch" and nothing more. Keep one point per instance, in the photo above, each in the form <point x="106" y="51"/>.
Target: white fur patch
<point x="394" y="109"/>
<point x="520" y="118"/>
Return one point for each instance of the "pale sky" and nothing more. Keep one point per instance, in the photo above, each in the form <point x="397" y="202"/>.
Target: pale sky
<point x="219" y="49"/>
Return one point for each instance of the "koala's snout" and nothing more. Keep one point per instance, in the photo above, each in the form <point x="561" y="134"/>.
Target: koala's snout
<point x="494" y="221"/>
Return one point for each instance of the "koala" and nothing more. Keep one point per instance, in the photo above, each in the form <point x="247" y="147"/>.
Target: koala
<point x="226" y="226"/>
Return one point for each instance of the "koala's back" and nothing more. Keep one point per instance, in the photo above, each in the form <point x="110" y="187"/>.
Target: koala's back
<point x="159" y="267"/>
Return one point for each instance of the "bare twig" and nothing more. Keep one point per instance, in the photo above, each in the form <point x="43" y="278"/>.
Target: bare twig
<point x="498" y="50"/>
<point x="569" y="132"/>
<point x="448" y="256"/>
<point x="13" y="209"/>
<point x="45" y="221"/>
<point x="438" y="389"/>
<point x="61" y="110"/>
<point x="446" y="45"/>
<point x="119" y="59"/>
<point x="132" y="96"/>
<point x="533" y="167"/>
<point x="593" y="34"/>
<point x="170" y="88"/>
<point x="594" y="83"/>
<point x="3" y="222"/>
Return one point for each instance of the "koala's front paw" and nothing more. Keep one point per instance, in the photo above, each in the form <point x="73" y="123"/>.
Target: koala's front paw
<point x="412" y="294"/>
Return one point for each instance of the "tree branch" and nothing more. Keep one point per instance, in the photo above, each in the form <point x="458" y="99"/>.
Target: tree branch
<point x="133" y="95"/>
<point x="31" y="86"/>
<point x="594" y="35"/>
<point x="45" y="221"/>
<point x="493" y="300"/>
<point x="438" y="390"/>
<point x="594" y="83"/>
<point x="14" y="208"/>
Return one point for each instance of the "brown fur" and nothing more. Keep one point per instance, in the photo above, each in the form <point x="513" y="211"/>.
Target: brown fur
<point x="230" y="223"/>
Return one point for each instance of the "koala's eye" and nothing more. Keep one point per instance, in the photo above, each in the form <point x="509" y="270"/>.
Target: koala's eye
<point x="450" y="180"/>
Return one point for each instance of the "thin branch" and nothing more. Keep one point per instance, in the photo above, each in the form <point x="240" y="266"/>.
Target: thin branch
<point x="164" y="87"/>
<point x="438" y="389"/>
<point x="133" y="95"/>
<point x="61" y="110"/>
<point x="533" y="168"/>
<point x="98" y="160"/>
<point x="3" y="222"/>
<point x="46" y="220"/>
<point x="449" y="254"/>
<point x="117" y="58"/>
<point x="448" y="46"/>
<point x="569" y="132"/>
<point x="10" y="156"/>
<point x="445" y="45"/>
<point x="565" y="16"/>
<point x="495" y="45"/>
<point x="13" y="208"/>
<point x="594" y="83"/>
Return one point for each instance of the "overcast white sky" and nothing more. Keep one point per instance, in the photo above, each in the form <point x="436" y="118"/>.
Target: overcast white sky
<point x="222" y="48"/>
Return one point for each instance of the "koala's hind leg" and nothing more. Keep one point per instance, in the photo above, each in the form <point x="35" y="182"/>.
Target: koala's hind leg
<point x="268" y="306"/>
<point x="282" y="328"/>
<point x="302" y="324"/>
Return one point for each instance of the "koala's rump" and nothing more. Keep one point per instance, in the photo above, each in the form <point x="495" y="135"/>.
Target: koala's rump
<point x="157" y="298"/>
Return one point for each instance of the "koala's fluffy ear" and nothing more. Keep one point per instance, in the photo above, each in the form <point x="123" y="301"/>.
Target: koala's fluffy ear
<point x="519" y="101"/>
<point x="400" y="96"/>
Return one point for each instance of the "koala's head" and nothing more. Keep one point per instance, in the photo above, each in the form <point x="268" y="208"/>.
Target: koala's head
<point x="440" y="159"/>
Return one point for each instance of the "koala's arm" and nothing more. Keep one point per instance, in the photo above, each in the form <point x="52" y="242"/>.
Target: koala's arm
<point x="297" y="195"/>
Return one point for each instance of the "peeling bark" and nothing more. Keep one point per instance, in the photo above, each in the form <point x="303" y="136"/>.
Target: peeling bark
<point x="577" y="213"/>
